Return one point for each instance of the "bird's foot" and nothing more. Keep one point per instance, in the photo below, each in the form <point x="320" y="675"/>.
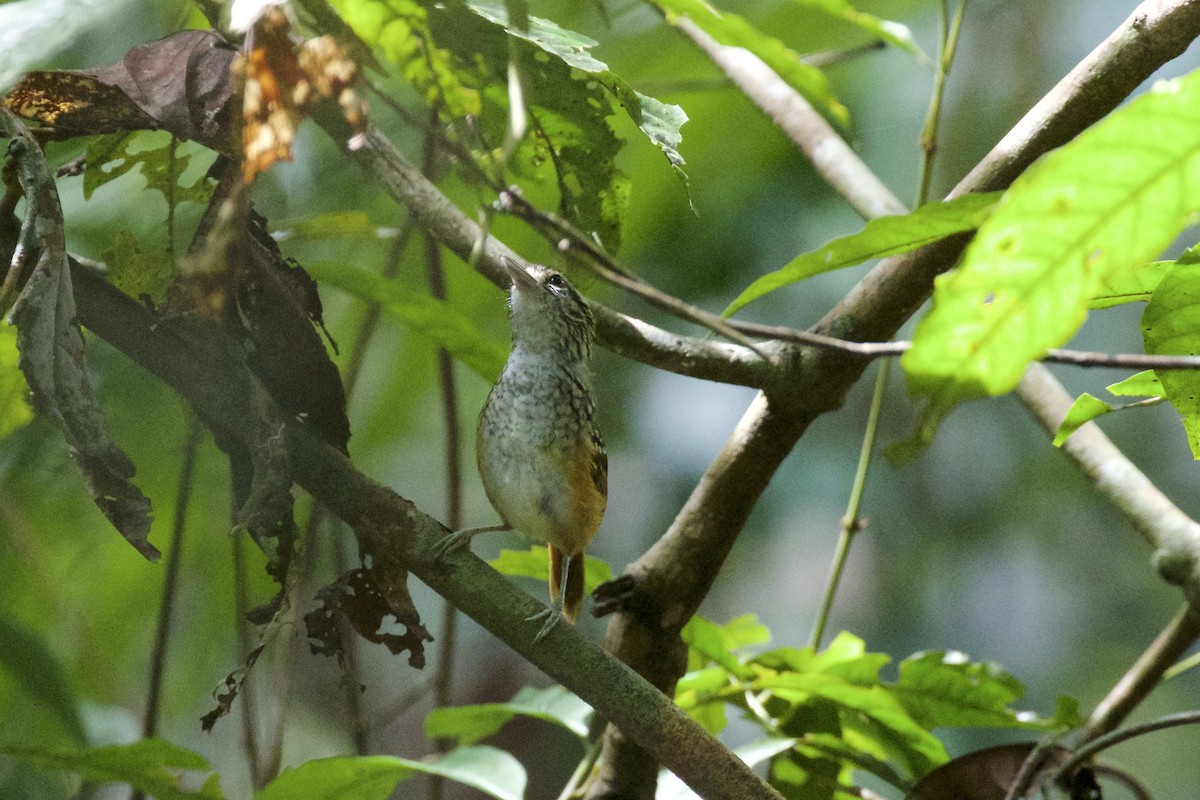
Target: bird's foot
<point x="552" y="614"/>
<point x="453" y="541"/>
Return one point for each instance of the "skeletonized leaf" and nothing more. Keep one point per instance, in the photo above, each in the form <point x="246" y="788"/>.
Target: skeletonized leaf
<point x="881" y="237"/>
<point x="1064" y="226"/>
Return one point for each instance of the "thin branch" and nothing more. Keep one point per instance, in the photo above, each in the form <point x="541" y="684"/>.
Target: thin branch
<point x="947" y="47"/>
<point x="1146" y="673"/>
<point x="1083" y="754"/>
<point x="808" y="130"/>
<point x="852" y="521"/>
<point x="401" y="538"/>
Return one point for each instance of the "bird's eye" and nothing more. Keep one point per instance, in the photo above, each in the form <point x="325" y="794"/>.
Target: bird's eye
<point x="556" y="282"/>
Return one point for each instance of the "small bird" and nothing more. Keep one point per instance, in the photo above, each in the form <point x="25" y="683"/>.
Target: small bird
<point x="539" y="451"/>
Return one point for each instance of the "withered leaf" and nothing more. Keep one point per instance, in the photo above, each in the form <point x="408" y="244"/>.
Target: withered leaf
<point x="232" y="685"/>
<point x="282" y="83"/>
<point x="52" y="352"/>
<point x="180" y="84"/>
<point x="989" y="773"/>
<point x="358" y="598"/>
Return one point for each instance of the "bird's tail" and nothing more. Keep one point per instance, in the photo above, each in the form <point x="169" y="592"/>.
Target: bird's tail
<point x="573" y="596"/>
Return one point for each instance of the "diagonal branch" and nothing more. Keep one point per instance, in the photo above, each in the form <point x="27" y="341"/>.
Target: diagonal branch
<point x="402" y="537"/>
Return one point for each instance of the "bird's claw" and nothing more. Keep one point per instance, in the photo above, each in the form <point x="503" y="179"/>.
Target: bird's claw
<point x="553" y="613"/>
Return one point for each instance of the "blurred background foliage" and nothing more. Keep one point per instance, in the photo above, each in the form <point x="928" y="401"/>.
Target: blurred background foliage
<point x="990" y="543"/>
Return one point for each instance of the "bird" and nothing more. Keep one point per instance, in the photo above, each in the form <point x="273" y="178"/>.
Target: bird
<point x="540" y="453"/>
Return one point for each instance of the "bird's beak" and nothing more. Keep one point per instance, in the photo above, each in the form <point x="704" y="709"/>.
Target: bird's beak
<point x="519" y="275"/>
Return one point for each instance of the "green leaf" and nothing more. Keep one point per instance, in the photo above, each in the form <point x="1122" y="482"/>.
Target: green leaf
<point x="491" y="771"/>
<point x="469" y="724"/>
<point x="27" y="657"/>
<point x="873" y="712"/>
<point x="893" y="33"/>
<point x="339" y="778"/>
<point x="700" y="694"/>
<point x="1171" y="326"/>
<point x="707" y="642"/>
<point x="1129" y="285"/>
<point x="1143" y="384"/>
<point x="535" y="563"/>
<point x="945" y="689"/>
<point x="733" y="30"/>
<point x="15" y="410"/>
<point x="439" y="321"/>
<point x="1064" y="226"/>
<point x="151" y="765"/>
<point x="1085" y="409"/>
<point x="881" y="237"/>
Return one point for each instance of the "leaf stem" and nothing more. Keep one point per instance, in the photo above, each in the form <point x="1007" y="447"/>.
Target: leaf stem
<point x="852" y="523"/>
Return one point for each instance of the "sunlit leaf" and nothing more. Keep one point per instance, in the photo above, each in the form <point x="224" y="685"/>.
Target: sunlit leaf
<point x="469" y="724"/>
<point x="441" y="322"/>
<point x="1143" y="384"/>
<point x="733" y="30"/>
<point x="881" y="237"/>
<point x="152" y="765"/>
<point x="1130" y="285"/>
<point x="1065" y="225"/>
<point x="1085" y="409"/>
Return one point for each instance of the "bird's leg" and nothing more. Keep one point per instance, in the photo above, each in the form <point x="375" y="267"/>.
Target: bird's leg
<point x="555" y="611"/>
<point x="452" y="541"/>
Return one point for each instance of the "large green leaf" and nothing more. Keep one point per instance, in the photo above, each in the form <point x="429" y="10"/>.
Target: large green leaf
<point x="469" y="724"/>
<point x="152" y="765"/>
<point x="1130" y="285"/>
<point x="1063" y="228"/>
<point x="491" y="771"/>
<point x="709" y="642"/>
<point x="736" y="31"/>
<point x="1171" y="326"/>
<point x="438" y="320"/>
<point x="881" y="237"/>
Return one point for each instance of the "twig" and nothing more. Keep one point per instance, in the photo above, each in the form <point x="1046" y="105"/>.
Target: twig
<point x="158" y="654"/>
<point x="1144" y="675"/>
<point x="947" y="46"/>
<point x="1085" y="753"/>
<point x="852" y="522"/>
<point x="249" y="706"/>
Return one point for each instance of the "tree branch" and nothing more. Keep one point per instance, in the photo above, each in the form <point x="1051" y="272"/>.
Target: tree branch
<point x="402" y="537"/>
